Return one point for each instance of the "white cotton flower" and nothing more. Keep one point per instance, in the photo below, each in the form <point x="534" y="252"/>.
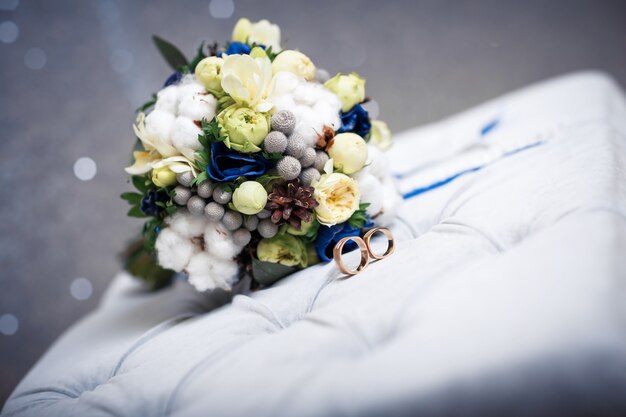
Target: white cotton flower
<point x="314" y="107"/>
<point x="391" y="201"/>
<point x="198" y="106"/>
<point x="159" y="125"/>
<point x="206" y="272"/>
<point x="174" y="250"/>
<point x="219" y="241"/>
<point x="186" y="224"/>
<point x="372" y="192"/>
<point x="185" y="134"/>
<point x="167" y="99"/>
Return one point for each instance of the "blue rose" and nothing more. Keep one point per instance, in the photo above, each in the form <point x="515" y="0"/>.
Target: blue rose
<point x="328" y="236"/>
<point x="173" y="79"/>
<point x="357" y="121"/>
<point x="226" y="164"/>
<point x="149" y="202"/>
<point x="236" y="48"/>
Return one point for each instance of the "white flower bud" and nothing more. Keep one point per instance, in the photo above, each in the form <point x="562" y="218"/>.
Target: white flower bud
<point x="348" y="152"/>
<point x="294" y="62"/>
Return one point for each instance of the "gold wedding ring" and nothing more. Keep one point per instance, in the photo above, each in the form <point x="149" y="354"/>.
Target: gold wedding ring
<point x="365" y="248"/>
<point x="364" y="255"/>
<point x="391" y="246"/>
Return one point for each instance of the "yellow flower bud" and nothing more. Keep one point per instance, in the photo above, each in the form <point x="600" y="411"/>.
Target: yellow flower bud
<point x="349" y="88"/>
<point x="348" y="152"/>
<point x="295" y="62"/>
<point x="163" y="177"/>
<point x="250" y="198"/>
<point x="209" y="74"/>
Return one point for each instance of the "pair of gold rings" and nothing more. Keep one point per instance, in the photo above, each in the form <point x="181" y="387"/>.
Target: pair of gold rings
<point x="367" y="253"/>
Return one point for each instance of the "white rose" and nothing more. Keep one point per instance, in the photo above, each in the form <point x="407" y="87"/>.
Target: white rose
<point x="295" y="62"/>
<point x="209" y="74"/>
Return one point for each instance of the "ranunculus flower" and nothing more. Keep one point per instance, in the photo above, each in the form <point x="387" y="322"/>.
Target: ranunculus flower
<point x="349" y="88"/>
<point x="283" y="249"/>
<point x="294" y="62"/>
<point x="209" y="74"/>
<point x="262" y="33"/>
<point x="338" y="197"/>
<point x="227" y="165"/>
<point x="348" y="151"/>
<point x="250" y="198"/>
<point x="163" y="177"/>
<point x="381" y="135"/>
<point x="328" y="236"/>
<point x="357" y="121"/>
<point x="243" y="128"/>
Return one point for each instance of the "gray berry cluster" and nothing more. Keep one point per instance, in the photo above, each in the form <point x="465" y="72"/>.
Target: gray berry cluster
<point x="299" y="159"/>
<point x="211" y="200"/>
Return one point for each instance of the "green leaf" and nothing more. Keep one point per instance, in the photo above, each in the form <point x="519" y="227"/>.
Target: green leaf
<point x="132" y="198"/>
<point x="145" y="106"/>
<point x="136" y="212"/>
<point x="141" y="183"/>
<point x="170" y="53"/>
<point x="200" y="55"/>
<point x="359" y="218"/>
<point x="267" y="273"/>
<point x="203" y="176"/>
<point x="273" y="156"/>
<point x="265" y="180"/>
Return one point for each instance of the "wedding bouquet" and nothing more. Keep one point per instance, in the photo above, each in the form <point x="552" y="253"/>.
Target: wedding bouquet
<point x="250" y="160"/>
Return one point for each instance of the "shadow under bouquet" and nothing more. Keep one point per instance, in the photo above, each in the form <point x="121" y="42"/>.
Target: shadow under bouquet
<point x="252" y="160"/>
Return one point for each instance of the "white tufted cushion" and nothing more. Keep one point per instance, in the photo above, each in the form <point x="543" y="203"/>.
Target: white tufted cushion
<point x="507" y="294"/>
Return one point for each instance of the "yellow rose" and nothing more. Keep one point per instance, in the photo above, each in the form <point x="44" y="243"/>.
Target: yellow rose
<point x="163" y="177"/>
<point x="348" y="151"/>
<point x="295" y="62"/>
<point x="338" y="197"/>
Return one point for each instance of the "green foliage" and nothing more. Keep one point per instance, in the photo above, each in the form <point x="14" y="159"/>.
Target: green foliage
<point x="170" y="53"/>
<point x="145" y="106"/>
<point x="200" y="55"/>
<point x="267" y="273"/>
<point x="266" y="180"/>
<point x="272" y="156"/>
<point x="359" y="218"/>
<point x="144" y="265"/>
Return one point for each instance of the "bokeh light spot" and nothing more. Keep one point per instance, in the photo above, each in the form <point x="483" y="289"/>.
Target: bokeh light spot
<point x="85" y="168"/>
<point x="221" y="9"/>
<point x="81" y="289"/>
<point x="8" y="32"/>
<point x="9" y="324"/>
<point x="35" y="58"/>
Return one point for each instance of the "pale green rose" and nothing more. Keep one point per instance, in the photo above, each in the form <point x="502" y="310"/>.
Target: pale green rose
<point x="209" y="74"/>
<point x="243" y="128"/>
<point x="250" y="198"/>
<point x="338" y="196"/>
<point x="305" y="227"/>
<point x="163" y="177"/>
<point x="348" y="152"/>
<point x="294" y="62"/>
<point x="381" y="135"/>
<point x="283" y="249"/>
<point x="350" y="89"/>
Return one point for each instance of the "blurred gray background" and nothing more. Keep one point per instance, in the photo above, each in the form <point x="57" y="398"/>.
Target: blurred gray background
<point x="73" y="72"/>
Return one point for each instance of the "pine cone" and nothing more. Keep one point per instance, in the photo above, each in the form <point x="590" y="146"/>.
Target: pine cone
<point x="291" y="203"/>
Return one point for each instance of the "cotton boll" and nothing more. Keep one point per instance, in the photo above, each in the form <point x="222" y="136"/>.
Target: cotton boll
<point x="391" y="201"/>
<point x="186" y="224"/>
<point x="198" y="106"/>
<point x="208" y="273"/>
<point x="189" y="87"/>
<point x="219" y="242"/>
<point x="159" y="124"/>
<point x="174" y="250"/>
<point x="167" y="99"/>
<point x="377" y="163"/>
<point x="185" y="134"/>
<point x="371" y="192"/>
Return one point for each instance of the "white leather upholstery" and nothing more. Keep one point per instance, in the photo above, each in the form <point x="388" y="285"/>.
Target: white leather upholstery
<point x="507" y="294"/>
